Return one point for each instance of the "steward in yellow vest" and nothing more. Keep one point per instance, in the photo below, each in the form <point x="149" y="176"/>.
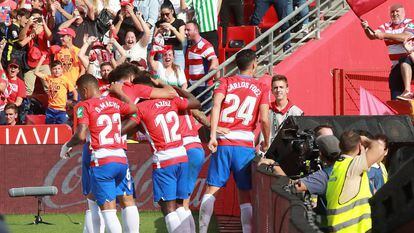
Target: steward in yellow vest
<point x="348" y="189"/>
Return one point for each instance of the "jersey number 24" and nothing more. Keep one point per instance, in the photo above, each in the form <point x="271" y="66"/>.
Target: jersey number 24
<point x="244" y="110"/>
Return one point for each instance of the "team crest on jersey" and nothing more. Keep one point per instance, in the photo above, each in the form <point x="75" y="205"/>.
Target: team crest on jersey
<point x="79" y="112"/>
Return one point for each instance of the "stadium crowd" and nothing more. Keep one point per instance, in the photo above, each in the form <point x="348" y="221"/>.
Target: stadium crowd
<point x="94" y="62"/>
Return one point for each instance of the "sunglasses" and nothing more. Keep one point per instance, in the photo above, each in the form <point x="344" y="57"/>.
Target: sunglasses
<point x="165" y="14"/>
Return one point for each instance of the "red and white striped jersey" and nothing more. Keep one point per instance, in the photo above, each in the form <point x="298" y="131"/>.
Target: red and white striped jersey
<point x="240" y="108"/>
<point x="103" y="118"/>
<point x="159" y="118"/>
<point x="196" y="58"/>
<point x="395" y="48"/>
<point x="189" y="131"/>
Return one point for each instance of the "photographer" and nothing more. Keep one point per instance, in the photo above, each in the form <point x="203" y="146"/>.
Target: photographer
<point x="348" y="188"/>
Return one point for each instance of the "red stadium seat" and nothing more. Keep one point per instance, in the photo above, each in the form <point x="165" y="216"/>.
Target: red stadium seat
<point x="35" y="119"/>
<point x="269" y="19"/>
<point x="245" y="33"/>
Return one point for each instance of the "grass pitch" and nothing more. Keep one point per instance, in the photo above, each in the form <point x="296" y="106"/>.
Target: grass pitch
<point x="72" y="223"/>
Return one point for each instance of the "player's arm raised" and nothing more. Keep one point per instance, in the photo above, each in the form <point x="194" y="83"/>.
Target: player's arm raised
<point x="164" y="91"/>
<point x="116" y="89"/>
<point x="193" y="103"/>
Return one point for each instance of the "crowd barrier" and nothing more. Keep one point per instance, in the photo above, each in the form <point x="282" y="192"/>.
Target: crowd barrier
<point x="34" y="161"/>
<point x="274" y="209"/>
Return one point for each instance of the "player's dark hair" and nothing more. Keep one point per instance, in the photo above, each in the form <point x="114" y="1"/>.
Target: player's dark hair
<point x="280" y="77"/>
<point x="87" y="79"/>
<point x="123" y="71"/>
<point x="143" y="78"/>
<point x="245" y="58"/>
<point x="349" y="141"/>
<point x="55" y="63"/>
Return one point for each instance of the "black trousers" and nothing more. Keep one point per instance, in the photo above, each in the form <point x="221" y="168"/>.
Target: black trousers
<point x="211" y="37"/>
<point x="229" y="8"/>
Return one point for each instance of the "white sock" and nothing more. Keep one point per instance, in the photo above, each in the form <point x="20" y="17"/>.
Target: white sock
<point x="112" y="224"/>
<point x="246" y="215"/>
<point x="206" y="210"/>
<point x="172" y="221"/>
<point x="97" y="224"/>
<point x="192" y="223"/>
<point x="130" y="219"/>
<point x="184" y="219"/>
<point x="88" y="226"/>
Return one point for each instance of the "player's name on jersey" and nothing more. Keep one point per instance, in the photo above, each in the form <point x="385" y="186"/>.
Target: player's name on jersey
<point x="106" y="104"/>
<point x="251" y="86"/>
<point x="163" y="103"/>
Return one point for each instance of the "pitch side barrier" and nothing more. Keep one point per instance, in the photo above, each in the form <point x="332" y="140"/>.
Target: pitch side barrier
<point x="275" y="209"/>
<point x="29" y="156"/>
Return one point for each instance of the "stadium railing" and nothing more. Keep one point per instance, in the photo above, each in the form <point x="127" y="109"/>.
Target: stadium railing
<point x="270" y="50"/>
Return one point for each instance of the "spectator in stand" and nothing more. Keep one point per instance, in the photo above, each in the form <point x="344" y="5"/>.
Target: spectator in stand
<point x="377" y="173"/>
<point x="136" y="49"/>
<point x="206" y="14"/>
<point x="126" y="20"/>
<point x="67" y="55"/>
<point x="58" y="88"/>
<point x="16" y="90"/>
<point x="106" y="68"/>
<point x="282" y="107"/>
<point x="181" y="9"/>
<point x="6" y="6"/>
<point x="141" y="64"/>
<point x="281" y="7"/>
<point x="297" y="3"/>
<point x="98" y="54"/>
<point x="200" y="59"/>
<point x="13" y="49"/>
<point x="36" y="35"/>
<point x="389" y="33"/>
<point x="150" y="12"/>
<point x="62" y="11"/>
<point x="229" y="8"/>
<point x="11" y="112"/>
<point x="172" y="30"/>
<point x="168" y="71"/>
<point x="83" y="23"/>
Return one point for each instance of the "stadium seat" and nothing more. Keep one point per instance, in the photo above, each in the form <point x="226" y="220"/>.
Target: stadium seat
<point x="244" y="33"/>
<point x="35" y="119"/>
<point x="269" y="19"/>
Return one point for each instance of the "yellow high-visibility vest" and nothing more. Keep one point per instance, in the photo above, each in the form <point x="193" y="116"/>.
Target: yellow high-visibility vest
<point x="353" y="216"/>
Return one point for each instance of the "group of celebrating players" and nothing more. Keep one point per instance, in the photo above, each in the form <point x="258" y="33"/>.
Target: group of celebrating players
<point x="168" y="117"/>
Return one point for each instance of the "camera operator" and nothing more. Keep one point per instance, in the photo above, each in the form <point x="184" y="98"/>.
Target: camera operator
<point x="348" y="190"/>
